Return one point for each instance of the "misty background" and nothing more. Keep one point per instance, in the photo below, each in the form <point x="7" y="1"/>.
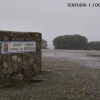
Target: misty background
<point x="51" y="17"/>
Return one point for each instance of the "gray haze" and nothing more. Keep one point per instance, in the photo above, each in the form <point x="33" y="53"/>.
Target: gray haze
<point x="51" y="17"/>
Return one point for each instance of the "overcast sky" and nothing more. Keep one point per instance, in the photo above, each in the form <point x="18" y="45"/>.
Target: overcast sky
<point x="51" y="17"/>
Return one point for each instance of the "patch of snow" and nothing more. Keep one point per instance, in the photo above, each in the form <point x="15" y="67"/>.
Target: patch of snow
<point x="78" y="56"/>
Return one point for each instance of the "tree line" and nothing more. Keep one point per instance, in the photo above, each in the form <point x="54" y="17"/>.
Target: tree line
<point x="75" y="42"/>
<point x="44" y="44"/>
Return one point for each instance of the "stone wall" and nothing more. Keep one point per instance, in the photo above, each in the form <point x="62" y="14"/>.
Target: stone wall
<point x="15" y="67"/>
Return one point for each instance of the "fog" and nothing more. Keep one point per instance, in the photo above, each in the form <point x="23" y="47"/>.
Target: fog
<point x="51" y="17"/>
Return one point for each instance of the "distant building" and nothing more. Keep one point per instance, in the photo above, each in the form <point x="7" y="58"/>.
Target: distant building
<point x="44" y="44"/>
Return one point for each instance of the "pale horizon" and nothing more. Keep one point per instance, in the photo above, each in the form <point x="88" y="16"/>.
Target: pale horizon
<point x="52" y="18"/>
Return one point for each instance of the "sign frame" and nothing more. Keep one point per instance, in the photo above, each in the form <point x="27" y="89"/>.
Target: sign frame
<point x="16" y="52"/>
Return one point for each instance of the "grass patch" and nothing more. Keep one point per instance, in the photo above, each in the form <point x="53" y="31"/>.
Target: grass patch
<point x="91" y="55"/>
<point x="61" y="97"/>
<point x="23" y="83"/>
<point x="45" y="72"/>
<point x="16" y="85"/>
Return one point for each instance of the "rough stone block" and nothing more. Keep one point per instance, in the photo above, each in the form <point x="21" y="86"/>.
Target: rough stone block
<point x="17" y="66"/>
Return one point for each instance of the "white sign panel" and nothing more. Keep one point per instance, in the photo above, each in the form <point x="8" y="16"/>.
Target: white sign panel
<point x="17" y="46"/>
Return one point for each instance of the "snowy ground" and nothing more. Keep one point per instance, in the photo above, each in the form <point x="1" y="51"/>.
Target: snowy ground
<point x="65" y="75"/>
<point x="81" y="57"/>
